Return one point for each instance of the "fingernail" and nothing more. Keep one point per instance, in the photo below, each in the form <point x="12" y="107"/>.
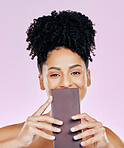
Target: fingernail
<point x="75" y="137"/>
<point x="73" y="117"/>
<point x="61" y="122"/>
<point x="82" y="143"/>
<point x="53" y="137"/>
<point x="72" y="129"/>
<point x="58" y="130"/>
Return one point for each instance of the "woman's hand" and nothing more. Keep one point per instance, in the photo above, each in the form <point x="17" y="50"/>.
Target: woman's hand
<point x="36" y="125"/>
<point x="93" y="133"/>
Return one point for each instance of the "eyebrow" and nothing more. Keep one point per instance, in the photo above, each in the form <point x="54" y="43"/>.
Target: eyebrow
<point x="57" y="68"/>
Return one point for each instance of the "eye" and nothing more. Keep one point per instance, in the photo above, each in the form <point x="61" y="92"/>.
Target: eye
<point x="54" y="75"/>
<point x="75" y="73"/>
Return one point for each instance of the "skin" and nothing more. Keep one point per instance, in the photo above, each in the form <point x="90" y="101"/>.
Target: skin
<point x="63" y="69"/>
<point x="58" y="74"/>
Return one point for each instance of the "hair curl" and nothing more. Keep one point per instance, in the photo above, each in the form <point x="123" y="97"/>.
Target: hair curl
<point x="69" y="29"/>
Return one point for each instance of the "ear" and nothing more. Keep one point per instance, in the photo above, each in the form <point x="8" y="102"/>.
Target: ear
<point x="88" y="78"/>
<point x="41" y="82"/>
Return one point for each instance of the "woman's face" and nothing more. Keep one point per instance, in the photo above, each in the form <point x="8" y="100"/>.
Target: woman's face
<point x="64" y="69"/>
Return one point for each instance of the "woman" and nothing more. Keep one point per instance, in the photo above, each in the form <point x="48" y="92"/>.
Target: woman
<point x="63" y="43"/>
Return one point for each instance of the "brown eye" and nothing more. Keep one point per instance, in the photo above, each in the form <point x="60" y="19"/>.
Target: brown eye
<point x="75" y="73"/>
<point x="54" y="75"/>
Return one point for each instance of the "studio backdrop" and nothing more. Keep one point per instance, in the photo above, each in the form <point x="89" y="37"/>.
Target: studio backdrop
<point x="20" y="93"/>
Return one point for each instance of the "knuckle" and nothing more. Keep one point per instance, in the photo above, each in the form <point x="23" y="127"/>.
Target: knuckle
<point x="55" y="129"/>
<point x="103" y="129"/>
<point x="44" y="117"/>
<point x="47" y="118"/>
<point x="29" y="123"/>
<point x="91" y="141"/>
<point x="54" y="120"/>
<point x="84" y="114"/>
<point x="92" y="131"/>
<point x="89" y="132"/>
<point x="100" y="124"/>
<point x="30" y="128"/>
<point x="90" y="124"/>
<point x="82" y="135"/>
<point x="94" y="122"/>
<point x="29" y="118"/>
<point x="78" y="127"/>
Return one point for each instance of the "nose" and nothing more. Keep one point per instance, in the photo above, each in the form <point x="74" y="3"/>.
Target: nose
<point x="66" y="82"/>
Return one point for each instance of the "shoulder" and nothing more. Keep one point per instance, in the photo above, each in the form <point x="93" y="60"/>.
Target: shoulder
<point x="10" y="131"/>
<point x="113" y="138"/>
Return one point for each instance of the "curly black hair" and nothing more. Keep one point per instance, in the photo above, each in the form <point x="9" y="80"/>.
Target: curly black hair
<point x="69" y="29"/>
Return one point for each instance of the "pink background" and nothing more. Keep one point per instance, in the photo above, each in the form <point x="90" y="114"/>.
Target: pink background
<point x="20" y="94"/>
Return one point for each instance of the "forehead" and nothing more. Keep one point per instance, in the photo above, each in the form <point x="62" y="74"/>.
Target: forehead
<point x="63" y="57"/>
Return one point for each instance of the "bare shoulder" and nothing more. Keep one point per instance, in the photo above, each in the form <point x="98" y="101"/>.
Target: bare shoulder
<point x="114" y="139"/>
<point x="10" y="131"/>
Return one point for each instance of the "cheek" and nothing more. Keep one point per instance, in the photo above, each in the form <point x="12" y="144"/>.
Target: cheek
<point x="53" y="83"/>
<point x="81" y="83"/>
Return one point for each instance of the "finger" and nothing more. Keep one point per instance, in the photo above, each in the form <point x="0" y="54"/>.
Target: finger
<point x="40" y="133"/>
<point x="89" y="133"/>
<point x="43" y="107"/>
<point x="45" y="118"/>
<point x="92" y="140"/>
<point x="86" y="125"/>
<point x="44" y="126"/>
<point x="83" y="116"/>
<point x="83" y="120"/>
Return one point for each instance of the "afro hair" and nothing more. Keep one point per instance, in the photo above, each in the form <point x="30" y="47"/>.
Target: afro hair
<point x="69" y="29"/>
